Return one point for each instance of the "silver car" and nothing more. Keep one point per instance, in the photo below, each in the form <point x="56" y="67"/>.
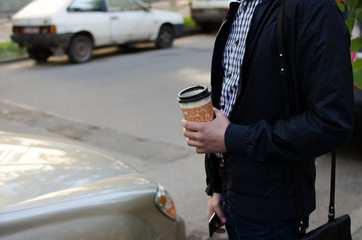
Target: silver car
<point x="52" y="189"/>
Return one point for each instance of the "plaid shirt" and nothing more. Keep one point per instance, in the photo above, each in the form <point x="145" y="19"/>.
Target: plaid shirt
<point x="234" y="54"/>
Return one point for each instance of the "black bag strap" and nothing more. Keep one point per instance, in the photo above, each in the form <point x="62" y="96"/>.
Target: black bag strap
<point x="331" y="211"/>
<point x="283" y="75"/>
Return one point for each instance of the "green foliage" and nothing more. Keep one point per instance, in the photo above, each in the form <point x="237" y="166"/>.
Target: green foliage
<point x="189" y="21"/>
<point x="354" y="12"/>
<point x="10" y="50"/>
<point x="353" y="9"/>
<point x="356" y="44"/>
<point x="357" y="73"/>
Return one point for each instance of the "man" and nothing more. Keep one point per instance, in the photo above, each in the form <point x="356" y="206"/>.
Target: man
<point x="252" y="146"/>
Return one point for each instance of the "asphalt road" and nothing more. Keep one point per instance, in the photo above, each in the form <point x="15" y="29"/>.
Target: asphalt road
<point x="124" y="101"/>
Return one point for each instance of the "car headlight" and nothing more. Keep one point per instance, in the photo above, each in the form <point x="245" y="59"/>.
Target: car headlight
<point x="165" y="203"/>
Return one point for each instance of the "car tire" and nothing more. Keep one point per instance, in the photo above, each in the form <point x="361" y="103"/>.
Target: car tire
<point x="165" y="37"/>
<point x="40" y="55"/>
<point x="80" y="49"/>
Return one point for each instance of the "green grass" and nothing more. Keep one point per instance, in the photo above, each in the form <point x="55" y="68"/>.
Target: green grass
<point x="9" y="50"/>
<point x="189" y="21"/>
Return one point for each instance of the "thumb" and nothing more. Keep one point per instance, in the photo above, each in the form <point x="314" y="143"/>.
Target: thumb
<point x="217" y="111"/>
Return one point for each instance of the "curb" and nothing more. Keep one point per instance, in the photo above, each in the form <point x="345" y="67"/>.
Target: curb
<point x="13" y="60"/>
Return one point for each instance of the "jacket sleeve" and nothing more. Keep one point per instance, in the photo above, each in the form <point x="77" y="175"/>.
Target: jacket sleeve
<point x="324" y="76"/>
<point x="213" y="179"/>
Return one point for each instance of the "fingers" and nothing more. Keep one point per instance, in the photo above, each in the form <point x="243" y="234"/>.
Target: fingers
<point x="192" y="134"/>
<point x="189" y="129"/>
<point x="214" y="205"/>
<point x="220" y="213"/>
<point x="217" y="206"/>
<point x="192" y="141"/>
<point x="210" y="209"/>
<point x="189" y="125"/>
<point x="219" y="230"/>
<point x="200" y="150"/>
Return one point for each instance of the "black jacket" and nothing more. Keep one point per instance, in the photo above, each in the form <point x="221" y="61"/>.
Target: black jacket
<point x="261" y="143"/>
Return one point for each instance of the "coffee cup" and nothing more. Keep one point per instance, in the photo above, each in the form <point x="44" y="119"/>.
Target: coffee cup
<point x="195" y="103"/>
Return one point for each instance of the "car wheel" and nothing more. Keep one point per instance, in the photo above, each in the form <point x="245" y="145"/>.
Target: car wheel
<point x="165" y="37"/>
<point x="40" y="55"/>
<point x="80" y="49"/>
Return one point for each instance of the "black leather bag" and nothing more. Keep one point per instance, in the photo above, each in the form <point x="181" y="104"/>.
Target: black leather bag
<point x="339" y="228"/>
<point x="336" y="228"/>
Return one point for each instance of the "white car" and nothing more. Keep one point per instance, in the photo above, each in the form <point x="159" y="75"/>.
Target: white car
<point x="76" y="27"/>
<point x="209" y="13"/>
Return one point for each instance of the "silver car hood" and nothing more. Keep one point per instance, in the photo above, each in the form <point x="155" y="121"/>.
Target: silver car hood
<point x="41" y="170"/>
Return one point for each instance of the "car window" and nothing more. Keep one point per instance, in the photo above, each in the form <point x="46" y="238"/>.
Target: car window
<point x="124" y="5"/>
<point x="85" y="6"/>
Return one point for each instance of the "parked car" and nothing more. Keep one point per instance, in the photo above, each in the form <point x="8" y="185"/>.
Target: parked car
<point x="76" y="27"/>
<point x="209" y="13"/>
<point x="54" y="189"/>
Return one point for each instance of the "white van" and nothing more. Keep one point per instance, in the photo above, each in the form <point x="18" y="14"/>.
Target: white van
<point x="76" y="27"/>
<point x="208" y="13"/>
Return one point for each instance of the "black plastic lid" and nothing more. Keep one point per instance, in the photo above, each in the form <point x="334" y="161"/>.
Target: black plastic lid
<point x="193" y="93"/>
